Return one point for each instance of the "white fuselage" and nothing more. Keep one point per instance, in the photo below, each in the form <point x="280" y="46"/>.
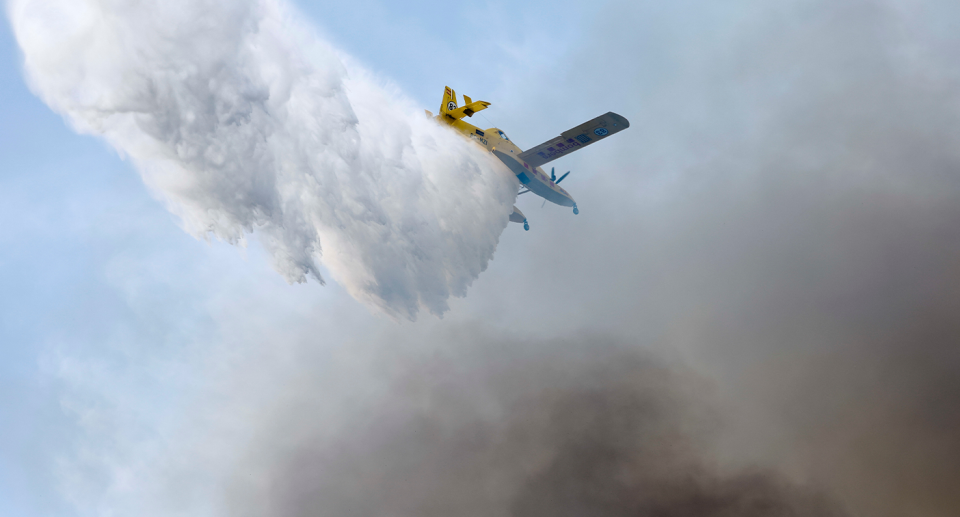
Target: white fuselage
<point x="531" y="177"/>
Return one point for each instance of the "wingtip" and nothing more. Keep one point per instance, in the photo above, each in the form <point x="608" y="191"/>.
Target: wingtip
<point x="620" y="119"/>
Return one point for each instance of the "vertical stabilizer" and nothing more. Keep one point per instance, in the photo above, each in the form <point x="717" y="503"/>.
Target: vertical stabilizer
<point x="449" y="100"/>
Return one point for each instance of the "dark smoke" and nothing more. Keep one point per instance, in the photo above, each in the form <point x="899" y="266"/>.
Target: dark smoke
<point x="807" y="250"/>
<point x="584" y="428"/>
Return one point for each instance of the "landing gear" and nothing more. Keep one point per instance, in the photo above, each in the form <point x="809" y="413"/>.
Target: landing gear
<point x="526" y="226"/>
<point x="576" y="210"/>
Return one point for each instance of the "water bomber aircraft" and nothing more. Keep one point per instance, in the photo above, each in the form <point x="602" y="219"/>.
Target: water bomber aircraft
<point x="526" y="164"/>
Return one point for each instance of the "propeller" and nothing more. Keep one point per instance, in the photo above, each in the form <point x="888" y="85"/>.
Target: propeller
<point x="553" y="175"/>
<point x="561" y="177"/>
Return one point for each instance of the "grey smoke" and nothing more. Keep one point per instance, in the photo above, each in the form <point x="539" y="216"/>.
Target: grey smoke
<point x="795" y="230"/>
<point x="492" y="426"/>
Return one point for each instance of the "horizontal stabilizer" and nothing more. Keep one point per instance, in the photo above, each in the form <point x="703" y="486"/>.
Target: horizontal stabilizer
<point x="468" y="110"/>
<point x="574" y="139"/>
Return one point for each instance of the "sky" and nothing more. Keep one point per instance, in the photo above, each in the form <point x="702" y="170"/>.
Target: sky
<point x="754" y="312"/>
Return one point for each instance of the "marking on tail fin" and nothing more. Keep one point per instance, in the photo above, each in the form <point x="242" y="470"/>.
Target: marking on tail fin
<point x="449" y="102"/>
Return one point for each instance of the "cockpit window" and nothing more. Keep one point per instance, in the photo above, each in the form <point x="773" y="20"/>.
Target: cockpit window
<point x="503" y="135"/>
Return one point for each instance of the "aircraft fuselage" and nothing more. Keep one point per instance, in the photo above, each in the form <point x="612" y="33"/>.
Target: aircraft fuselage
<point x="495" y="141"/>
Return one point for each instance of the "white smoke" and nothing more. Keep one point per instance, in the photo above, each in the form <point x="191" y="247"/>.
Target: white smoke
<point x="243" y="120"/>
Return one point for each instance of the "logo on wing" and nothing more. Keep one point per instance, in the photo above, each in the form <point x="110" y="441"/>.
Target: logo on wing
<point x="601" y="131"/>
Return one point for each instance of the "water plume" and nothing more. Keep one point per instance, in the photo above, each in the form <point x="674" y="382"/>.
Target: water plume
<point x="243" y="120"/>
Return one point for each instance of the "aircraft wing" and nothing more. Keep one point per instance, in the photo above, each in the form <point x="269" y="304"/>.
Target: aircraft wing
<point x="574" y="139"/>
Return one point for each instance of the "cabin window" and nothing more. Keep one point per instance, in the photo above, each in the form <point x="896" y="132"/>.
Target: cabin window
<point x="503" y="135"/>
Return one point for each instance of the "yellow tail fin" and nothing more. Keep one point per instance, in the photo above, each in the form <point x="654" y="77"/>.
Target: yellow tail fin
<point x="449" y="100"/>
<point x="450" y="111"/>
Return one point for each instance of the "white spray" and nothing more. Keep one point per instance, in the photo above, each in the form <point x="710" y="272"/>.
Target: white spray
<point x="243" y="121"/>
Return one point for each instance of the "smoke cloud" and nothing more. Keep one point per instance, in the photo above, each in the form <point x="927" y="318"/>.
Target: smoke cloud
<point x="467" y="423"/>
<point x="801" y="234"/>
<point x="496" y="426"/>
<point x="243" y="121"/>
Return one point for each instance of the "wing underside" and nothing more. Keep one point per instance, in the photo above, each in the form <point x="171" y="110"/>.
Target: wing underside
<point x="574" y="139"/>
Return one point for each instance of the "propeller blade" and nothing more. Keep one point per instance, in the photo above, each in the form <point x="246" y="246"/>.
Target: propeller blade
<point x="544" y="203"/>
<point x="553" y="175"/>
<point x="561" y="177"/>
<point x="522" y="192"/>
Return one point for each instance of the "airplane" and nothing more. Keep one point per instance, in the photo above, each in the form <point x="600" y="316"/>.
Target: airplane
<point x="526" y="164"/>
